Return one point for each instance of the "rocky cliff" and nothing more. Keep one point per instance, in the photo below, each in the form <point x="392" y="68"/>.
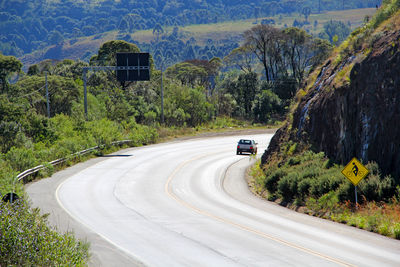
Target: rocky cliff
<point x="350" y="107"/>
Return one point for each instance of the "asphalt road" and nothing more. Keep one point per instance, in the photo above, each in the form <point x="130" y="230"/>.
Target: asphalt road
<point x="186" y="203"/>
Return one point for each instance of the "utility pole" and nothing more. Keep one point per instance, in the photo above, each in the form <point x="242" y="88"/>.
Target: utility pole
<point x="85" y="93"/>
<point x="319" y="6"/>
<point x="162" y="94"/>
<point x="47" y="97"/>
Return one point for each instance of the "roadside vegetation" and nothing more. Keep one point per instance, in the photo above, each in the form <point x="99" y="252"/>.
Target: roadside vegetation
<point x="27" y="240"/>
<point x="309" y="182"/>
<point x="30" y="136"/>
<point x="239" y="85"/>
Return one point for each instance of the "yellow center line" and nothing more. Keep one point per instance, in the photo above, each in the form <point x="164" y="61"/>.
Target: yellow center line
<point x="169" y="192"/>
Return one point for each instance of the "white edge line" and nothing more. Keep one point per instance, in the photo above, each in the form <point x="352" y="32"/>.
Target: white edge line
<point x="91" y="229"/>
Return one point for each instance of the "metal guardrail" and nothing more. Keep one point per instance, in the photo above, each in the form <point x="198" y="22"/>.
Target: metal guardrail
<point x="23" y="175"/>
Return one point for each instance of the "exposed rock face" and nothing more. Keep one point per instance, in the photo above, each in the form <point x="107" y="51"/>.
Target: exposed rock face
<point x="355" y="117"/>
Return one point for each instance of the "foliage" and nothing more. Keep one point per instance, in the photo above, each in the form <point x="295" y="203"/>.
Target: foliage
<point x="26" y="240"/>
<point x="310" y="180"/>
<point x="306" y="175"/>
<point x="379" y="217"/>
<point x="26" y="28"/>
<point x="266" y="105"/>
<point x="63" y="92"/>
<point x="286" y="55"/>
<point x="335" y="31"/>
<point x="107" y="52"/>
<point x="8" y="66"/>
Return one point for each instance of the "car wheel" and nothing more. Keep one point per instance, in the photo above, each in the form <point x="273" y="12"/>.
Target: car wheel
<point x="237" y="152"/>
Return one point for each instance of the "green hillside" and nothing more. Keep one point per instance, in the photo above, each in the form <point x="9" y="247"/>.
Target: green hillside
<point x="220" y="33"/>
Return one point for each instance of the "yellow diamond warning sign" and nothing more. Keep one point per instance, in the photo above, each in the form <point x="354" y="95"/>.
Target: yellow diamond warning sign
<point x="355" y="171"/>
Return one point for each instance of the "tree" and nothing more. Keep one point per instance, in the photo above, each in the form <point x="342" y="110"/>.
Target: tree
<point x="33" y="70"/>
<point x="306" y="11"/>
<point x="334" y="27"/>
<point x="264" y="40"/>
<point x="8" y="66"/>
<point x="297" y="51"/>
<point x="63" y="93"/>
<point x="241" y="57"/>
<point x="188" y="73"/>
<point x="243" y="90"/>
<point x="157" y="30"/>
<point x="321" y="50"/>
<point x="55" y="37"/>
<point x="108" y="50"/>
<point x="266" y="104"/>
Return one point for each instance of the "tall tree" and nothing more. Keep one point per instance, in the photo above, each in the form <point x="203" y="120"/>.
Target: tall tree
<point x="158" y="29"/>
<point x="108" y="50"/>
<point x="8" y="66"/>
<point x="257" y="38"/>
<point x="334" y="27"/>
<point x="297" y="50"/>
<point x="265" y="40"/>
<point x="306" y="11"/>
<point x="241" y="57"/>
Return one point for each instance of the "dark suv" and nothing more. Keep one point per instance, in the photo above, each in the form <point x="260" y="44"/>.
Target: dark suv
<point x="245" y="145"/>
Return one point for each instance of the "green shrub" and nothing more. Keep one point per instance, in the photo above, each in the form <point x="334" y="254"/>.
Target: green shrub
<point x="26" y="240"/>
<point x="303" y="187"/>
<point x="8" y="179"/>
<point x="320" y="186"/>
<point x="104" y="131"/>
<point x="271" y="181"/>
<point x="294" y="161"/>
<point x="21" y="159"/>
<point x="376" y="188"/>
<point x="287" y="186"/>
<point x="384" y="228"/>
<point x="328" y="164"/>
<point x="345" y="192"/>
<point x="396" y="230"/>
<point x="329" y="201"/>
<point x="372" y="222"/>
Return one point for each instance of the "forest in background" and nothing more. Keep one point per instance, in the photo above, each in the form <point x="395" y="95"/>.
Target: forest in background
<point x="35" y="25"/>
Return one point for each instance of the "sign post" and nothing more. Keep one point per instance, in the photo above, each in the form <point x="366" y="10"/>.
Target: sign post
<point x="133" y="67"/>
<point x="355" y="171"/>
<point x="130" y="67"/>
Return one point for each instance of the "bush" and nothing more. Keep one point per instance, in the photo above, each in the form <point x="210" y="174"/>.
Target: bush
<point x="271" y="181"/>
<point x="396" y="230"/>
<point x="26" y="240"/>
<point x="375" y="188"/>
<point x="104" y="132"/>
<point x="287" y="186"/>
<point x="21" y="159"/>
<point x="345" y="192"/>
<point x="303" y="187"/>
<point x="324" y="184"/>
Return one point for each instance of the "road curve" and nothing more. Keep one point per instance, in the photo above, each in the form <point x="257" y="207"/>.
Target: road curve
<point x="186" y="204"/>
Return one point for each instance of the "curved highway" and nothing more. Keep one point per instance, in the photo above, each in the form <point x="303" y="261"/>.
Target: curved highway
<point x="186" y="203"/>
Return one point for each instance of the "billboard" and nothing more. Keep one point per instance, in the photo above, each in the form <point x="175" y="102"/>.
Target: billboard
<point x="133" y="67"/>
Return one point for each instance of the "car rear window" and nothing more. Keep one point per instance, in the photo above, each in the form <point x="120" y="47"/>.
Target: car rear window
<point x="247" y="142"/>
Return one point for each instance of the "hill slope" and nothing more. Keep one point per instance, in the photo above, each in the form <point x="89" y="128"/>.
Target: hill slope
<point x="84" y="47"/>
<point x="350" y="106"/>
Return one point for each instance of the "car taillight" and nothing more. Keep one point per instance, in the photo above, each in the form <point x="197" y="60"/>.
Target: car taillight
<point x="251" y="147"/>
<point x="238" y="146"/>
